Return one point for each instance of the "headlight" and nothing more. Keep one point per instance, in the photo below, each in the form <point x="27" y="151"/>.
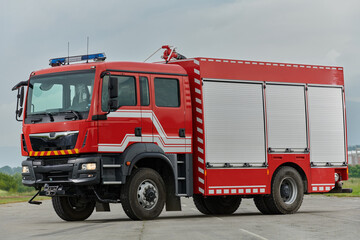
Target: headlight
<point x="337" y="177"/>
<point x="25" y="169"/>
<point x="88" y="166"/>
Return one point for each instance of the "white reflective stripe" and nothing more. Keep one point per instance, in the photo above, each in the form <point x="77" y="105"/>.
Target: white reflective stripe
<point x="200" y="160"/>
<point x="201" y="180"/>
<point x="196" y="62"/>
<point x="199" y="120"/>
<point x="149" y="114"/>
<point x="201" y="170"/>
<point x="200" y="150"/>
<point x="322" y="184"/>
<point x="200" y="140"/>
<point x="197" y="91"/>
<point x="199" y="130"/>
<point x="201" y="190"/>
<point x="197" y="71"/>
<point x="197" y="81"/>
<point x="104" y="147"/>
<point x="255" y="186"/>
<point x="198" y="110"/>
<point x="198" y="100"/>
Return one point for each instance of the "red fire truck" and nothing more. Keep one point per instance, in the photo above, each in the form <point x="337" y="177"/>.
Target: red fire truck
<point x="146" y="134"/>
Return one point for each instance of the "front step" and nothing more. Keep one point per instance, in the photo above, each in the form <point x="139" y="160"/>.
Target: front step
<point x="111" y="174"/>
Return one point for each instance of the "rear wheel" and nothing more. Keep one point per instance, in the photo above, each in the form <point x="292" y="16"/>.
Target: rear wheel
<point x="72" y="208"/>
<point x="200" y="204"/>
<point x="287" y="192"/>
<point x="222" y="205"/>
<point x="261" y="205"/>
<point x="143" y="195"/>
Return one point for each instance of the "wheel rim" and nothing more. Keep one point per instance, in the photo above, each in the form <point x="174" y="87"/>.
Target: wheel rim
<point x="288" y="190"/>
<point x="147" y="194"/>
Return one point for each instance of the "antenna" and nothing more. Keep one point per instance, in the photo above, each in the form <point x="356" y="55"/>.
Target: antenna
<point x="68" y="53"/>
<point x="87" y="50"/>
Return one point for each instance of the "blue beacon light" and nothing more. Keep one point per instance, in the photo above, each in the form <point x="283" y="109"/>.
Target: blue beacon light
<point x="66" y="60"/>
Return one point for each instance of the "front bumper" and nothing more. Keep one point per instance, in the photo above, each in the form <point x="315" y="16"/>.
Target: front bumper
<point x="61" y="171"/>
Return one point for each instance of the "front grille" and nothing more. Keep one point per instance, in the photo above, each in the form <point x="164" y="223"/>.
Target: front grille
<point x="53" y="141"/>
<point x="54" y="162"/>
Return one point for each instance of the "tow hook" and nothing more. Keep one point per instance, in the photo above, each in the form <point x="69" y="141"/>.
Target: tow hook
<point x="51" y="190"/>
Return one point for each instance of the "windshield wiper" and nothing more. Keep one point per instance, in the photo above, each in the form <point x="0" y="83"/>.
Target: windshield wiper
<point x="44" y="113"/>
<point x="76" y="115"/>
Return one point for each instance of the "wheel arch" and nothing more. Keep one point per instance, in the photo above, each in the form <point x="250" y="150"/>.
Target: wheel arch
<point x="299" y="169"/>
<point x="149" y="155"/>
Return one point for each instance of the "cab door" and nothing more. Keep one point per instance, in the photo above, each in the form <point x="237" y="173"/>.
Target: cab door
<point x="146" y="108"/>
<point x="168" y="113"/>
<point x="122" y="127"/>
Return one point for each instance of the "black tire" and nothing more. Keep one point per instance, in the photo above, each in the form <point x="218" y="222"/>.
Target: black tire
<point x="287" y="192"/>
<point x="72" y="208"/>
<point x="261" y="205"/>
<point x="222" y="205"/>
<point x="143" y="195"/>
<point x="200" y="204"/>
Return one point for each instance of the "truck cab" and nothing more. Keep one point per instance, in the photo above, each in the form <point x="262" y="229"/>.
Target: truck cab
<point x="88" y="127"/>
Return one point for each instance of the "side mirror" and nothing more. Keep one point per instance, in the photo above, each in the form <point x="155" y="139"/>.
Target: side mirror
<point x="19" y="104"/>
<point x="19" y="113"/>
<point x="113" y="94"/>
<point x="113" y="87"/>
<point x="21" y="97"/>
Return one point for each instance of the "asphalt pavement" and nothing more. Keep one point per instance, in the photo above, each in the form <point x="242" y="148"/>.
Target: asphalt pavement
<point x="320" y="217"/>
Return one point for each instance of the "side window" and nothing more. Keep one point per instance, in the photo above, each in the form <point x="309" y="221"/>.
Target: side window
<point x="167" y="92"/>
<point x="144" y="91"/>
<point x="127" y="92"/>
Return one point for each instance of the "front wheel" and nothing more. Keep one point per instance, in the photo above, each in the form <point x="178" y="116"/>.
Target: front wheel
<point x="143" y="195"/>
<point x="72" y="208"/>
<point x="287" y="192"/>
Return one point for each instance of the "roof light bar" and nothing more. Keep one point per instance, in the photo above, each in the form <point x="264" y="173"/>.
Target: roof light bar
<point x="66" y="60"/>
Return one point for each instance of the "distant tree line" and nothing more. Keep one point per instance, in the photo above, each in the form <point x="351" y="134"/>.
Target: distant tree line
<point x="354" y="171"/>
<point x="12" y="183"/>
<point x="10" y="178"/>
<point x="9" y="170"/>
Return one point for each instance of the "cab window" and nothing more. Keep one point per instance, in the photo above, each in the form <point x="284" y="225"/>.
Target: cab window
<point x="126" y="94"/>
<point x="167" y="92"/>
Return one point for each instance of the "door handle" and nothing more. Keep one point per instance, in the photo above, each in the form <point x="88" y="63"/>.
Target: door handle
<point x="138" y="132"/>
<point x="182" y="132"/>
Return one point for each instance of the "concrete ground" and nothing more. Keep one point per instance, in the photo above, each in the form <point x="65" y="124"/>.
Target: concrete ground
<point x="320" y="217"/>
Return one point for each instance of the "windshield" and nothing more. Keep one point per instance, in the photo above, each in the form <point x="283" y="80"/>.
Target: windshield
<point x="52" y="94"/>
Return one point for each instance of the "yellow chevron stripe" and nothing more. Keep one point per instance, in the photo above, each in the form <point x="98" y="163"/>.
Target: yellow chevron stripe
<point x="50" y="153"/>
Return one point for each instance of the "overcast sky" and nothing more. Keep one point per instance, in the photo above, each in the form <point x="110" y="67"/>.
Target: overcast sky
<point x="306" y="31"/>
